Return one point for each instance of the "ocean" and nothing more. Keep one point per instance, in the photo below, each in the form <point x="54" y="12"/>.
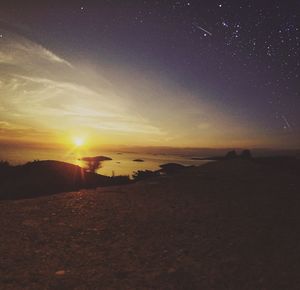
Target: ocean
<point x="122" y="163"/>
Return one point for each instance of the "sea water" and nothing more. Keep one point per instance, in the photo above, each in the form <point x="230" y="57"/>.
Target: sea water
<point x="122" y="163"/>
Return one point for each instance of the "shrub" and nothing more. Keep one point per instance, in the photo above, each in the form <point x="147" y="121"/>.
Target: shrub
<point x="144" y="174"/>
<point x="246" y="154"/>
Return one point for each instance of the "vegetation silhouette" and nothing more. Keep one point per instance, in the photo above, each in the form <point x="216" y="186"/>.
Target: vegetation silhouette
<point x="144" y="174"/>
<point x="246" y="154"/>
<point x="165" y="169"/>
<point x="231" y="155"/>
<point x="94" y="163"/>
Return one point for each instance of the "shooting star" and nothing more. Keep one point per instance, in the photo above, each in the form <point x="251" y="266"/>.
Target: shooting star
<point x="204" y="30"/>
<point x="286" y="122"/>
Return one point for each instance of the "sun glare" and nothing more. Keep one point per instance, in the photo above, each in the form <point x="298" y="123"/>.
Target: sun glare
<point x="79" y="141"/>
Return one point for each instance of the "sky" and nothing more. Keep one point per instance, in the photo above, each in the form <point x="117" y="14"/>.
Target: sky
<point x="151" y="73"/>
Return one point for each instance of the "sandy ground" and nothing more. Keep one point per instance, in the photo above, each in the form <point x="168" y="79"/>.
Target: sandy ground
<point x="227" y="225"/>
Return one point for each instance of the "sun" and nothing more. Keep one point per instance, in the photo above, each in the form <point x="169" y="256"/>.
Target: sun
<point x="78" y="141"/>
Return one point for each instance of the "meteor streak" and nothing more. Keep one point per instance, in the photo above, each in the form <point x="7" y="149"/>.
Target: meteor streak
<point x="204" y="30"/>
<point x="286" y="121"/>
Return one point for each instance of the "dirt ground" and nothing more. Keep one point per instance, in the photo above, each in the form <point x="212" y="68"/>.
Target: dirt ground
<point x="226" y="225"/>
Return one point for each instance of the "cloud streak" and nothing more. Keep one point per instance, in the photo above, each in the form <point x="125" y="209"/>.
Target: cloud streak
<point x="17" y="50"/>
<point x="45" y="91"/>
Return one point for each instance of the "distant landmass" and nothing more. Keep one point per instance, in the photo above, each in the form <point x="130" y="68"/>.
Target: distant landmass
<point x="39" y="178"/>
<point x="96" y="158"/>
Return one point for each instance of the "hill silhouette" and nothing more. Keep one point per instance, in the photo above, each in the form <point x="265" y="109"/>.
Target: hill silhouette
<point x="47" y="177"/>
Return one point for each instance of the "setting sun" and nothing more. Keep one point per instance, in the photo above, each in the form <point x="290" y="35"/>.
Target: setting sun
<point x="79" y="141"/>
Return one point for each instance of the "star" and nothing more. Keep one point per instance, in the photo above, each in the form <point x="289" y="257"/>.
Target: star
<point x="225" y="24"/>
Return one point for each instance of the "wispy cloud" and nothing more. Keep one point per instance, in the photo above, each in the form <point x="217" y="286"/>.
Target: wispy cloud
<point x="42" y="90"/>
<point x="18" y="50"/>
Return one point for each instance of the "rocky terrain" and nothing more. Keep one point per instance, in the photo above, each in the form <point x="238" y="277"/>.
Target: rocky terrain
<point x="226" y="225"/>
